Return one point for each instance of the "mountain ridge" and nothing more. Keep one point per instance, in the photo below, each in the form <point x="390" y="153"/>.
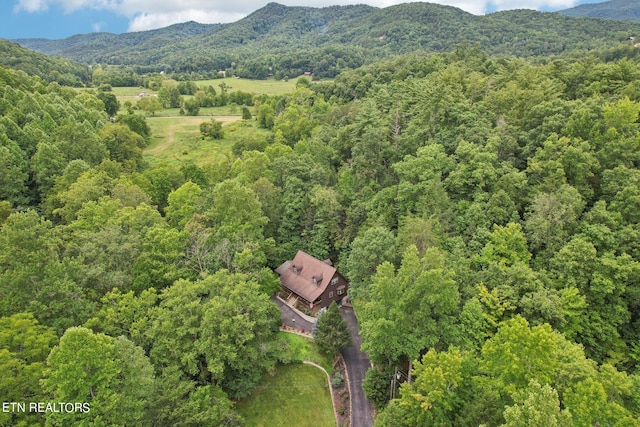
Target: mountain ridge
<point x="49" y="68"/>
<point x="620" y="10"/>
<point x="329" y="39"/>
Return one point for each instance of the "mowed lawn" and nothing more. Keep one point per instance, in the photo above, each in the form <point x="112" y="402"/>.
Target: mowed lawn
<point x="297" y="395"/>
<point x="303" y="348"/>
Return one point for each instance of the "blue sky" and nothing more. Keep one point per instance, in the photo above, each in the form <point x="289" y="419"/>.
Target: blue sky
<point x="62" y="18"/>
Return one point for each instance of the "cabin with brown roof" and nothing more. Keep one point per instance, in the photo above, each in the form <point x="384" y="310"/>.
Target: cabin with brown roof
<point x="312" y="282"/>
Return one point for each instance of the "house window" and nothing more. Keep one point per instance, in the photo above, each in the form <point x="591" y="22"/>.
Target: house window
<point x="330" y="294"/>
<point x="340" y="291"/>
<point x="334" y="281"/>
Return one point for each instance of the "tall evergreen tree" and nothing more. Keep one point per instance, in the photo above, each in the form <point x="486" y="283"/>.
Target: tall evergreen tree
<point x="332" y="333"/>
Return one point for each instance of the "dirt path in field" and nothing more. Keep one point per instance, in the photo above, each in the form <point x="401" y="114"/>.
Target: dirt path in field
<point x="180" y="122"/>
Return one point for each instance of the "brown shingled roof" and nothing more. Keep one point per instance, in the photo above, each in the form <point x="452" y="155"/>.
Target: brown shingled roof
<point x="298" y="275"/>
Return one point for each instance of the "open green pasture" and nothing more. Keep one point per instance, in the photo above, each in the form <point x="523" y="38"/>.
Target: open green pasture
<point x="227" y="110"/>
<point x="178" y="138"/>
<point x="129" y="93"/>
<point x="267" y="87"/>
<point x="296" y="395"/>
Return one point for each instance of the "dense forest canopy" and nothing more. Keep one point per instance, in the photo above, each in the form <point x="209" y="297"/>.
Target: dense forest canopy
<point x="485" y="210"/>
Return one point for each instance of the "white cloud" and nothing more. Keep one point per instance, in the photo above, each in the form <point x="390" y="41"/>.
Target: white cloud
<point x="146" y="21"/>
<point x="31" y="6"/>
<point x="149" y="14"/>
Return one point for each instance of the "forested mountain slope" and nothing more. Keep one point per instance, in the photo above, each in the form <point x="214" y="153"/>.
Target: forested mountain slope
<point x="49" y="68"/>
<point x="87" y="47"/>
<point x="622" y="10"/>
<point x="288" y="40"/>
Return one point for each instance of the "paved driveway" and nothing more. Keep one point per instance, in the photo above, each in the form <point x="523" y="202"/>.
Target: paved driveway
<point x="357" y="365"/>
<point x="290" y="317"/>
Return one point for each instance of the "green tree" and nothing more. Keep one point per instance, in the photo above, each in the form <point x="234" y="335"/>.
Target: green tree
<point x="137" y="123"/>
<point x="506" y="245"/>
<point x="234" y="214"/>
<point x="159" y="180"/>
<point x="175" y="99"/>
<point x="125" y="314"/>
<point x="80" y="141"/>
<point x="150" y="104"/>
<point x="410" y="310"/>
<point x="111" y="103"/>
<point x="211" y="129"/>
<point x="88" y="186"/>
<point x="47" y="164"/>
<point x="109" y="238"/>
<point x="124" y="145"/>
<point x="518" y="354"/>
<point x="13" y="173"/>
<point x="375" y="246"/>
<point x="552" y="218"/>
<point x="539" y="405"/>
<point x="587" y="400"/>
<point x="376" y="386"/>
<point x="192" y="107"/>
<point x="604" y="280"/>
<point x="111" y="374"/>
<point x="331" y="332"/>
<point x="435" y="395"/>
<point x="24" y="347"/>
<point x="26" y="243"/>
<point x="225" y="329"/>
<point x="164" y="97"/>
<point x="266" y="116"/>
<point x="182" y="204"/>
<point x="179" y="401"/>
<point x="161" y="260"/>
<point x="619" y="143"/>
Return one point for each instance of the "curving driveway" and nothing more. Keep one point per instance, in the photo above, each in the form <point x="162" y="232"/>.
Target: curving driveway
<point x="357" y="362"/>
<point x="357" y="365"/>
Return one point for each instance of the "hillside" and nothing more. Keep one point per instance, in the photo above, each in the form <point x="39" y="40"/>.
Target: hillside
<point x="88" y="47"/>
<point x="290" y="40"/>
<point x="49" y="68"/>
<point x="621" y="10"/>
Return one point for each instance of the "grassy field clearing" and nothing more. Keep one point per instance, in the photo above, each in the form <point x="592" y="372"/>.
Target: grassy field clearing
<point x="267" y="87"/>
<point x="227" y="110"/>
<point x="178" y="139"/>
<point x="167" y="130"/>
<point x="129" y="93"/>
<point x="297" y="395"/>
